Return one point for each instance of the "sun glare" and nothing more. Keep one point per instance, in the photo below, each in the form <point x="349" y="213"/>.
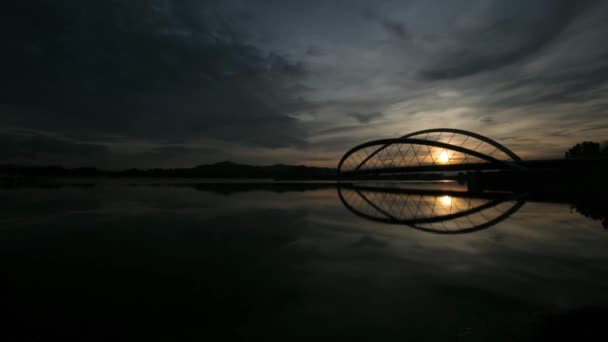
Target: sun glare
<point x="446" y="200"/>
<point x="443" y="158"/>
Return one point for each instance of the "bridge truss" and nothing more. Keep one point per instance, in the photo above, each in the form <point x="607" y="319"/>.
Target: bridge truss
<point x="439" y="149"/>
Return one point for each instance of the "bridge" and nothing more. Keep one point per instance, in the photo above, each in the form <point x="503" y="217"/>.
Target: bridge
<point x="430" y="150"/>
<point x="490" y="197"/>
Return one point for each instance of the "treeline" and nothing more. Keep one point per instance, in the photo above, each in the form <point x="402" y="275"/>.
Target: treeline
<point x="234" y="170"/>
<point x="587" y="149"/>
<point x="218" y="170"/>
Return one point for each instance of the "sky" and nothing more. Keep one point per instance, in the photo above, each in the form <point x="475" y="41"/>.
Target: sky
<point x="161" y="83"/>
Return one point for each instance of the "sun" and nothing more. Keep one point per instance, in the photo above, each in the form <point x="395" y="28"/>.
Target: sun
<point x="443" y="158"/>
<point x="446" y="200"/>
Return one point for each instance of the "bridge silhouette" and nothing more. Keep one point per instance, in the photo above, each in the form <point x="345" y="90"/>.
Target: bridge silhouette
<point x="490" y="196"/>
<point x="431" y="150"/>
<point x="433" y="211"/>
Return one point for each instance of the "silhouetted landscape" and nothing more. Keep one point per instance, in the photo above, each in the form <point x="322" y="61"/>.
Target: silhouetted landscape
<point x="218" y="170"/>
<point x="23" y="174"/>
<point x="345" y="170"/>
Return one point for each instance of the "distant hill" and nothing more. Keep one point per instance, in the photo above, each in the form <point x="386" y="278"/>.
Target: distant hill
<point x="224" y="169"/>
<point x="229" y="169"/>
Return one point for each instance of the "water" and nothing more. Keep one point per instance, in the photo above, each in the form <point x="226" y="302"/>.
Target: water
<point x="118" y="262"/>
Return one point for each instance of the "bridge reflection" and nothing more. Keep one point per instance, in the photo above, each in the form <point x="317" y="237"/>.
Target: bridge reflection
<point x="434" y="211"/>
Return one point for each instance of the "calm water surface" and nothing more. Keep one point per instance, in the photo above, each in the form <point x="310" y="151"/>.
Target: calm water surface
<point x="117" y="262"/>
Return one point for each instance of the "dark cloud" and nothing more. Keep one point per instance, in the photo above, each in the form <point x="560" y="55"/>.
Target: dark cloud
<point x="314" y="51"/>
<point x="179" y="149"/>
<point x="155" y="70"/>
<point x="340" y="129"/>
<point x="511" y="32"/>
<point x="396" y="29"/>
<point x="392" y="27"/>
<point x="596" y="127"/>
<point x="559" y="133"/>
<point x="367" y="241"/>
<point x="42" y="148"/>
<point x="160" y="80"/>
<point x="366" y="118"/>
<point x="554" y="85"/>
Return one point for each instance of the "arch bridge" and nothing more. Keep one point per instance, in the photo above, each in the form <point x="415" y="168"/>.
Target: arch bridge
<point x="430" y="150"/>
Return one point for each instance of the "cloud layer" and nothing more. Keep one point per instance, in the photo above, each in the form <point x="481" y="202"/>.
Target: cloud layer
<point x="295" y="82"/>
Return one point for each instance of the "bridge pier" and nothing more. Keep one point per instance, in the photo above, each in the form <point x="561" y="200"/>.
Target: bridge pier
<point x="474" y="182"/>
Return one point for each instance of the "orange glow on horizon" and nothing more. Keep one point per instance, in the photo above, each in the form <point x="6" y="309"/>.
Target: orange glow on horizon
<point x="443" y="157"/>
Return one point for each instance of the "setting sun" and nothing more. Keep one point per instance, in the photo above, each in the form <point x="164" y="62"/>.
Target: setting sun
<point x="446" y="200"/>
<point x="443" y="158"/>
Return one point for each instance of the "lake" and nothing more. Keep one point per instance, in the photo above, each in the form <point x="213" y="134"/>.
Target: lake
<point x="97" y="262"/>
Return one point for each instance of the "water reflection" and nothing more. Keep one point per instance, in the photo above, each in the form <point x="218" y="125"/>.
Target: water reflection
<point x="591" y="207"/>
<point x="434" y="211"/>
<point x="282" y="261"/>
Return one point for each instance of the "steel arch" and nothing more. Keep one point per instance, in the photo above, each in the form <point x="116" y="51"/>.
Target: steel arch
<point x="383" y="144"/>
<point x="494" y="143"/>
<point x="388" y="142"/>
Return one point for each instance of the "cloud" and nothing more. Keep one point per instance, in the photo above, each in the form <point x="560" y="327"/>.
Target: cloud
<point x="314" y="51"/>
<point x="396" y="29"/>
<point x="508" y="33"/>
<point x="368" y="241"/>
<point x="161" y="70"/>
<point x="167" y="82"/>
<point x="366" y="118"/>
<point x="40" y="148"/>
<point x="179" y="149"/>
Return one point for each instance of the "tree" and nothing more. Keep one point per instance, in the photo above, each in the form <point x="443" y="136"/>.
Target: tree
<point x="585" y="149"/>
